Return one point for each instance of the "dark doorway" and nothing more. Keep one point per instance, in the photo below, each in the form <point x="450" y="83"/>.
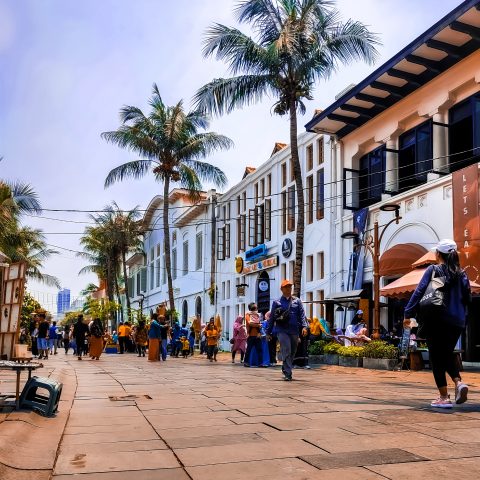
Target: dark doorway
<point x="184" y="313"/>
<point x="198" y="307"/>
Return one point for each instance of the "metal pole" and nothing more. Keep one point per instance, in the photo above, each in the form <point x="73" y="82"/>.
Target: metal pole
<point x="376" y="283"/>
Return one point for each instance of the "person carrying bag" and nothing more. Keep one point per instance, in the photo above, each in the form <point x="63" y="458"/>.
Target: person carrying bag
<point x="440" y="301"/>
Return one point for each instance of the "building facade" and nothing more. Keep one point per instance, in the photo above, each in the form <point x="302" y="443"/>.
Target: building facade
<point x="63" y="301"/>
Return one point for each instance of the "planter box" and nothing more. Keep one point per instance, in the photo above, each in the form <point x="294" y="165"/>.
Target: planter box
<point x="380" y="363"/>
<point x="331" y="359"/>
<point x="350" y="361"/>
<point x="316" y="359"/>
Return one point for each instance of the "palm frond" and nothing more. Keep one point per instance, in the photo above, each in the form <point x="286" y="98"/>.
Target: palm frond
<point x="202" y="145"/>
<point x="136" y="169"/>
<point x="25" y="197"/>
<point x="49" y="280"/>
<point x="207" y="172"/>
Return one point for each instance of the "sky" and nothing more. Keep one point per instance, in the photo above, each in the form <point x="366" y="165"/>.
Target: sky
<point x="68" y="66"/>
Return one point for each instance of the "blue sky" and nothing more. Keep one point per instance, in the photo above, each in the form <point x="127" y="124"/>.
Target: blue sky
<point x="66" y="68"/>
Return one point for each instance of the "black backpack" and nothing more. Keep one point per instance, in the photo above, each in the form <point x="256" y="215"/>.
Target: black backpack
<point x="281" y="316"/>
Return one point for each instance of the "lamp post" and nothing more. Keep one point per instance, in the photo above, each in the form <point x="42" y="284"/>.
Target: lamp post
<point x="373" y="246"/>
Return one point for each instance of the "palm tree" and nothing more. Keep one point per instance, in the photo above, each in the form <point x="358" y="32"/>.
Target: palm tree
<point x="171" y="145"/>
<point x="297" y="43"/>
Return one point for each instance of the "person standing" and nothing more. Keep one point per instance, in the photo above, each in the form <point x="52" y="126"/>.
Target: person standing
<point x="448" y="320"/>
<point x="42" y="338"/>
<point x="254" y="340"/>
<point x="96" y="339"/>
<point x="122" y="337"/>
<point x="239" y="339"/>
<point x="288" y="319"/>
<point x="141" y="338"/>
<point x="52" y="338"/>
<point x="154" y="336"/>
<point x="66" y="339"/>
<point x="212" y="340"/>
<point x="191" y="340"/>
<point x="164" y="331"/>
<point x="34" y="337"/>
<point x="80" y="331"/>
<point x="176" y="343"/>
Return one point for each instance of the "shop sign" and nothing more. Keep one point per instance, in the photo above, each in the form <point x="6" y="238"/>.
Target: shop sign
<point x="466" y="221"/>
<point x="238" y="264"/>
<point x="269" y="262"/>
<point x="255" y="253"/>
<point x="287" y="247"/>
<point x="263" y="292"/>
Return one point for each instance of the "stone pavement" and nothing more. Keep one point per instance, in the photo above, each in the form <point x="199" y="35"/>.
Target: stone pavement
<point x="123" y="417"/>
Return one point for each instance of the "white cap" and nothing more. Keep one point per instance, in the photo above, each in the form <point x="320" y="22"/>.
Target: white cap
<point x="445" y="246"/>
<point x="359" y="312"/>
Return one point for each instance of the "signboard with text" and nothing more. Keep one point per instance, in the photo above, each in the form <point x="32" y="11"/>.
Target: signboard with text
<point x="269" y="262"/>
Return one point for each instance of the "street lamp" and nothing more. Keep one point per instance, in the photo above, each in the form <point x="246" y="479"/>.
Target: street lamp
<point x="373" y="246"/>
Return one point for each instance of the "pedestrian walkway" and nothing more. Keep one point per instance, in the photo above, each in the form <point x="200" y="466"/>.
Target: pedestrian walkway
<point x="189" y="419"/>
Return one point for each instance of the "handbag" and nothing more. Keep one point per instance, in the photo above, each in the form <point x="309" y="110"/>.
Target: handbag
<point x="282" y="315"/>
<point x="431" y="304"/>
<point x="232" y="341"/>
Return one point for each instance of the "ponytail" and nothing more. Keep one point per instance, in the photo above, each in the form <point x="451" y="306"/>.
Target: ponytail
<point x="452" y="262"/>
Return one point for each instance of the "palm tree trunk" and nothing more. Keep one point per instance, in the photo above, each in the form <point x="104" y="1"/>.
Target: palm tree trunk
<point x="300" y="227"/>
<point x="125" y="279"/>
<point x="166" y="230"/>
<point x="109" y="280"/>
<point x="117" y="292"/>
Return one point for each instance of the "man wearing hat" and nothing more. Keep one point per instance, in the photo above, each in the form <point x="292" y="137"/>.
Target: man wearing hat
<point x="288" y="319"/>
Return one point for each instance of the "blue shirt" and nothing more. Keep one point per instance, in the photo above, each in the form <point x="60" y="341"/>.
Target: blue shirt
<point x="457" y="296"/>
<point x="52" y="332"/>
<point x="154" y="331"/>
<point x="297" y="320"/>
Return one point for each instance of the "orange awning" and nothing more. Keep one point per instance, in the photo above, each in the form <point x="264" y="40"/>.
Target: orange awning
<point x="428" y="259"/>
<point x="398" y="259"/>
<point x="407" y="284"/>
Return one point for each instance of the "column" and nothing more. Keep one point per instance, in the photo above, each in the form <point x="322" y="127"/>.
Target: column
<point x="391" y="165"/>
<point x="440" y="142"/>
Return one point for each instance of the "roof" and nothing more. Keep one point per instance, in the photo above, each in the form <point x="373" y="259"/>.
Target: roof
<point x="278" y="146"/>
<point x="190" y="214"/>
<point x="248" y="171"/>
<point x="446" y="43"/>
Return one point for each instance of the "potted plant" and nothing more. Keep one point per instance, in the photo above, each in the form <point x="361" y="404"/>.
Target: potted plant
<point x="350" y="356"/>
<point x="380" y="355"/>
<point x="330" y="352"/>
<point x="315" y="352"/>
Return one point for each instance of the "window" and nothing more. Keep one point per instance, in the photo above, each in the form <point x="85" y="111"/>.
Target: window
<point x="291" y="208"/>
<point x="244" y="198"/>
<point x="256" y="193"/>
<point x="309" y="305"/>
<point x="292" y="171"/>
<point x="309" y="270"/>
<point x="284" y="213"/>
<point x="239" y="205"/>
<point x="415" y="158"/>
<point x="372" y="177"/>
<point x="320" y="266"/>
<point x="320" y="306"/>
<point x="164" y="271"/>
<point x="228" y="212"/>
<point x="268" y="219"/>
<point x="320" y="155"/>
<point x="269" y="185"/>
<point x="310" y="199"/>
<point x="185" y="258"/>
<point x="221" y="243"/>
<point x="174" y="263"/>
<point x="137" y="283"/>
<point x="320" y="194"/>
<point x="251" y="227"/>
<point x="152" y="275"/>
<point x="158" y="250"/>
<point x="228" y="289"/>
<point x="241" y="227"/>
<point x="223" y="291"/>
<point x="158" y="270"/>
<point x="198" y="251"/>
<point x="262" y="189"/>
<point x="259" y="224"/>
<point x="283" y="270"/>
<point x="464" y="133"/>
<point x="309" y="157"/>
<point x="227" y="240"/>
<point x="284" y="174"/>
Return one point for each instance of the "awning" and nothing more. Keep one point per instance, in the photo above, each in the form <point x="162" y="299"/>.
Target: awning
<point x="398" y="259"/>
<point x="344" y="297"/>
<point x="407" y="284"/>
<point x="428" y="259"/>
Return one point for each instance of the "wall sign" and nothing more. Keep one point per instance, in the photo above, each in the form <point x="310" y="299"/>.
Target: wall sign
<point x="263" y="292"/>
<point x="287" y="247"/>
<point x="238" y="264"/>
<point x="254" y="253"/>
<point x="269" y="262"/>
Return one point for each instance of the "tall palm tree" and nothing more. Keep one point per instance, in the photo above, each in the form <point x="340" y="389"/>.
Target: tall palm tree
<point x="171" y="144"/>
<point x="295" y="44"/>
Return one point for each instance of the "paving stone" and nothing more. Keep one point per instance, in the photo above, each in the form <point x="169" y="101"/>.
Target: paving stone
<point x="134" y="446"/>
<point x="216" y="440"/>
<point x="161" y="474"/>
<point x="359" y="459"/>
<point x="440" y="452"/>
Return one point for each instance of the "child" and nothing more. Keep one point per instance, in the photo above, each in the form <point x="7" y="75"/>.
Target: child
<point x="185" y="346"/>
<point x="212" y="339"/>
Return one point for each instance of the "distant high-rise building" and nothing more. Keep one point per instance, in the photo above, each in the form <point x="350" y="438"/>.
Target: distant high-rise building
<point x="63" y="301"/>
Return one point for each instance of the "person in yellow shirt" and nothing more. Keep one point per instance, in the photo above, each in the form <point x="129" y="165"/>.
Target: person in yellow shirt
<point x="315" y="330"/>
<point x="122" y="337"/>
<point x="212" y="339"/>
<point x="185" y="346"/>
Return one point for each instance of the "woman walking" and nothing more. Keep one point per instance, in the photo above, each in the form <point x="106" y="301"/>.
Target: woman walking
<point x="239" y="339"/>
<point x="444" y="329"/>
<point x="96" y="339"/>
<point x="154" y="335"/>
<point x="141" y="338"/>
<point x="79" y="332"/>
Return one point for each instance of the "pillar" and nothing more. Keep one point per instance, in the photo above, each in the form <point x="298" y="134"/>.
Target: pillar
<point x="440" y="142"/>
<point x="391" y="165"/>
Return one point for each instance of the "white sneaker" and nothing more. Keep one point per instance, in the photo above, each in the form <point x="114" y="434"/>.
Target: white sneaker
<point x="461" y="392"/>
<point x="442" y="403"/>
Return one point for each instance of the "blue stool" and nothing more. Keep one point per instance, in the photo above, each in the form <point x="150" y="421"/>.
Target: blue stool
<point x="45" y="405"/>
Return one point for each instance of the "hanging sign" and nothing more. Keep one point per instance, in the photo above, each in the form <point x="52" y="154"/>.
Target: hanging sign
<point x="466" y="222"/>
<point x="287" y="247"/>
<point x="261" y="265"/>
<point x="238" y="264"/>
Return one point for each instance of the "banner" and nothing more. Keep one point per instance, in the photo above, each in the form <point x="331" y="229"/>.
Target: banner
<point x="466" y="222"/>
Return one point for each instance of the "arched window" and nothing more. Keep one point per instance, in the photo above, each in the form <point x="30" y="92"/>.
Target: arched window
<point x="198" y="306"/>
<point x="184" y="313"/>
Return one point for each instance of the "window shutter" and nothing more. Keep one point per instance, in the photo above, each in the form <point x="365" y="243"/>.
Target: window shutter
<point x="227" y="240"/>
<point x="268" y="219"/>
<point x="251" y="227"/>
<point x="221" y="244"/>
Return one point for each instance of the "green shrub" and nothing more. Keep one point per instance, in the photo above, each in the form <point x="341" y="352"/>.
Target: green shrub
<point x="356" y="352"/>
<point x="331" y="348"/>
<point x="380" y="349"/>
<point x="316" y="348"/>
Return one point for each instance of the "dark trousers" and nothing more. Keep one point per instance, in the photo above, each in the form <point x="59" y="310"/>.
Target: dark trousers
<point x="254" y="343"/>
<point x="288" y="347"/>
<point x="272" y="349"/>
<point x="122" y="342"/>
<point x="441" y="343"/>
<point x="212" y="351"/>
<point x="66" y="344"/>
